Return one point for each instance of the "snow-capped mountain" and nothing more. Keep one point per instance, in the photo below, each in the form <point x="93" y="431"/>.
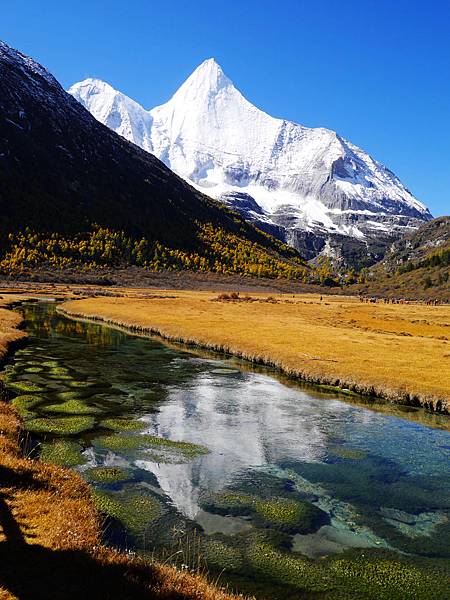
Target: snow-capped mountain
<point x="308" y="186"/>
<point x="61" y="172"/>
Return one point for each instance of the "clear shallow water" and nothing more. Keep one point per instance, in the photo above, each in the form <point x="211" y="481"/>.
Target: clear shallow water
<point x="271" y="464"/>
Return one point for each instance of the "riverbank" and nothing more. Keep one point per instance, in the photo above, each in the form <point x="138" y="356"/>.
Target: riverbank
<point x="396" y="352"/>
<point x="50" y="532"/>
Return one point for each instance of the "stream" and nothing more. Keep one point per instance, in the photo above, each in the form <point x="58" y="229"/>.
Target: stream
<point x="204" y="461"/>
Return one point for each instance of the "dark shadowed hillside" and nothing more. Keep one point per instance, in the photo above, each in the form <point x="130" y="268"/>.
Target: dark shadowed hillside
<point x="87" y="196"/>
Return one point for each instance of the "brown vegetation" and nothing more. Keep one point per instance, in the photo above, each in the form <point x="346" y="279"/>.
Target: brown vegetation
<point x="397" y="352"/>
<point x="9" y="334"/>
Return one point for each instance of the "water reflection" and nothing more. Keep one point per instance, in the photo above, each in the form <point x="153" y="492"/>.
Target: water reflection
<point x="379" y="480"/>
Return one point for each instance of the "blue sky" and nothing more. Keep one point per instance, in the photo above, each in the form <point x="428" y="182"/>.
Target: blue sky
<point x="378" y="72"/>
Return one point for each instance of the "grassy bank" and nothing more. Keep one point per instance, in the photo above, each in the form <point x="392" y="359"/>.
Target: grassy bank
<point x="396" y="352"/>
<point x="50" y="532"/>
<point x="10" y="336"/>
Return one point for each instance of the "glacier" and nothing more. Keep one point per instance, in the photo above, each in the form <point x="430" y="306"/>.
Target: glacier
<point x="309" y="187"/>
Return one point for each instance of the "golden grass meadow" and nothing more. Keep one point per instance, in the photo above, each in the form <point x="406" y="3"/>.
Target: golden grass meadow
<point x="48" y="523"/>
<point x="399" y="352"/>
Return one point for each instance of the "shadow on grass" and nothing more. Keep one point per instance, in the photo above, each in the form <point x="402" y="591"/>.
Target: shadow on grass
<point x="33" y="572"/>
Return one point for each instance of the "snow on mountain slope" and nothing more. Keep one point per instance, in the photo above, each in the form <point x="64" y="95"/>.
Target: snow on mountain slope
<point x="120" y="113"/>
<point x="289" y="179"/>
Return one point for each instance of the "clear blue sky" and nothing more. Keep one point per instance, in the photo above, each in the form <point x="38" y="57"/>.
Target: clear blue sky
<point x="376" y="71"/>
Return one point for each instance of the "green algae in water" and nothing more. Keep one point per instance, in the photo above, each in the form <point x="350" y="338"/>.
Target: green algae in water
<point x="368" y="574"/>
<point x="349" y="453"/>
<point x="107" y="474"/>
<point x="33" y="370"/>
<point x="81" y="384"/>
<point x="65" y="453"/>
<point x="60" y="425"/>
<point x="69" y="395"/>
<point x="59" y="371"/>
<point x="71" y="407"/>
<point x="24" y="387"/>
<point x="135" y="511"/>
<point x="283" y="514"/>
<point x="118" y="424"/>
<point x="222" y="556"/>
<point x="292" y="515"/>
<point x="163" y="450"/>
<point x="25" y="403"/>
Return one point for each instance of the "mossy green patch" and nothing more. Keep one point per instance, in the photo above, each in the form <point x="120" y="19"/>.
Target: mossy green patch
<point x="135" y="512"/>
<point x="69" y="395"/>
<point x="337" y="390"/>
<point x="350" y="453"/>
<point x="71" y="407"/>
<point x="287" y="569"/>
<point x="59" y="371"/>
<point x="118" y="424"/>
<point x="283" y="514"/>
<point x="159" y="449"/>
<point x="51" y="364"/>
<point x="33" y="370"/>
<point x="222" y="556"/>
<point x="24" y="387"/>
<point x="66" y="453"/>
<point x="81" y="384"/>
<point x="387" y="576"/>
<point x="289" y="514"/>
<point x="60" y="426"/>
<point x="367" y="574"/>
<point x="107" y="474"/>
<point x="25" y="403"/>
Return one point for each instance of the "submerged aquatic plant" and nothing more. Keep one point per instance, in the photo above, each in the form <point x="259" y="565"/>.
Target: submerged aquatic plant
<point x="33" y="369"/>
<point x="50" y="364"/>
<point x="59" y="371"/>
<point x="71" y="407"/>
<point x="135" y="512"/>
<point x="65" y="453"/>
<point x="120" y="424"/>
<point x="80" y="384"/>
<point x="24" y="403"/>
<point x="159" y="449"/>
<point x="60" y="425"/>
<point x="23" y="386"/>
<point x="284" y="514"/>
<point x="107" y="474"/>
<point x="222" y="556"/>
<point x="349" y="453"/>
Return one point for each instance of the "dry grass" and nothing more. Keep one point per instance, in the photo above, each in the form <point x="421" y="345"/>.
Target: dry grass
<point x="50" y="532"/>
<point x="398" y="352"/>
<point x="9" y="334"/>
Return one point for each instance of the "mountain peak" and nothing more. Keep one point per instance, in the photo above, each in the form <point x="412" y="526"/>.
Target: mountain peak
<point x="306" y="183"/>
<point x="208" y="78"/>
<point x="91" y="86"/>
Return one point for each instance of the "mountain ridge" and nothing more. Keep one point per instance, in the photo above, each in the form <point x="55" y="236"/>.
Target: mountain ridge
<point x="73" y="190"/>
<point x="306" y="182"/>
<point x="415" y="266"/>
